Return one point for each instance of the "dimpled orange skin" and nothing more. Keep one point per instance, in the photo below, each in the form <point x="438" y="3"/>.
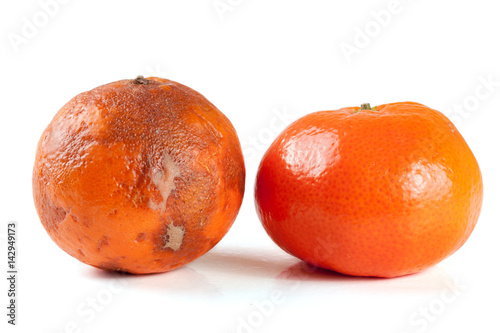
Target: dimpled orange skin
<point x="140" y="176"/>
<point x="384" y="192"/>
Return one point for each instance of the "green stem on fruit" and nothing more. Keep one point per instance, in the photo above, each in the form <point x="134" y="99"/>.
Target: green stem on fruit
<point x="365" y="106"/>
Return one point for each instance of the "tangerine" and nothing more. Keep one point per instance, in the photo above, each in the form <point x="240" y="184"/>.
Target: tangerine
<point x="384" y="191"/>
<point x="140" y="176"/>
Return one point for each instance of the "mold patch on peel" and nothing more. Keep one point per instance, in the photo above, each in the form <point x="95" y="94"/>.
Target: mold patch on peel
<point x="163" y="180"/>
<point x="174" y="237"/>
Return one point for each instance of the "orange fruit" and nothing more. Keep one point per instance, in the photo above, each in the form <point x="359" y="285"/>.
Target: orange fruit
<point x="384" y="191"/>
<point x="140" y="176"/>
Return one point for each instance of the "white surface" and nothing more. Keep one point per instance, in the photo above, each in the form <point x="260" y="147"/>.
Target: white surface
<point x="263" y="58"/>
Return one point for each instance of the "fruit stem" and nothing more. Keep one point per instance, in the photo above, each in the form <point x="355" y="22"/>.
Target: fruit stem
<point x="365" y="106"/>
<point x="140" y="80"/>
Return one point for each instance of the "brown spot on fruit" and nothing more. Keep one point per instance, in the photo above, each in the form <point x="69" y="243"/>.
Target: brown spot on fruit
<point x="103" y="242"/>
<point x="163" y="180"/>
<point x="112" y="266"/>
<point x="174" y="237"/>
<point x="140" y="237"/>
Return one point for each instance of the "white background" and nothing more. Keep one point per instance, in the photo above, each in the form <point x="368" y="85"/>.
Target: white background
<point x="264" y="64"/>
